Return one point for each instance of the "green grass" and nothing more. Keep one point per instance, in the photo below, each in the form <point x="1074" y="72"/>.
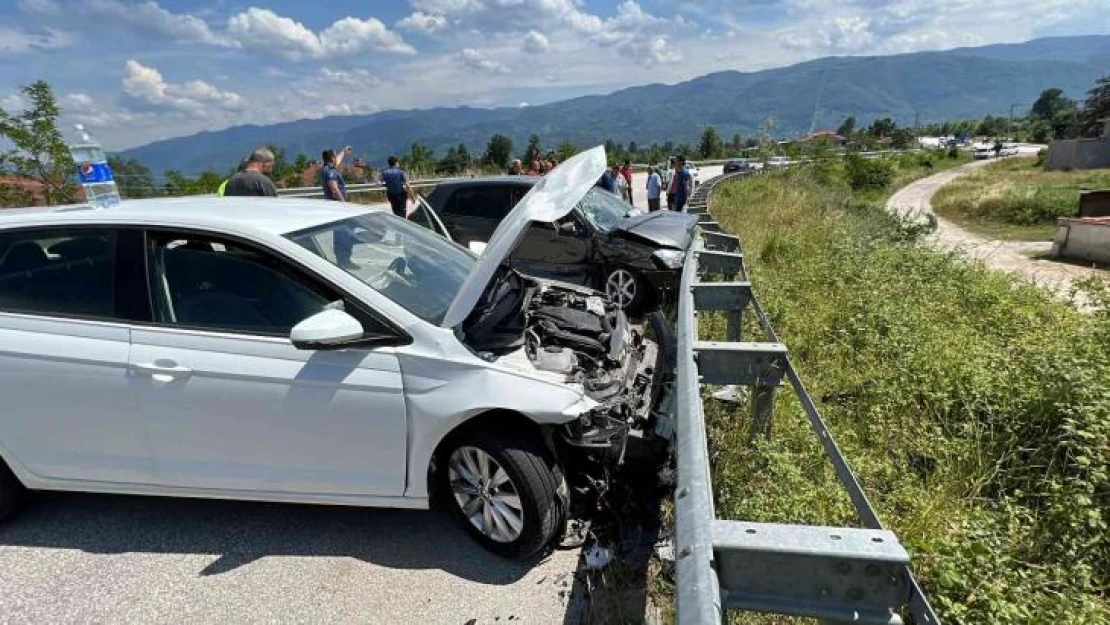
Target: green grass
<point x="974" y="408"/>
<point x="1014" y="199"/>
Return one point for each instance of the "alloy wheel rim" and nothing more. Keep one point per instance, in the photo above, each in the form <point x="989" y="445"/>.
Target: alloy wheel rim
<point x="486" y="494"/>
<point x="621" y="287"/>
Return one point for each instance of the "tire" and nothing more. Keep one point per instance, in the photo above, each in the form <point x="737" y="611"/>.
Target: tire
<point x="627" y="289"/>
<point x="12" y="493"/>
<point x="519" y="513"/>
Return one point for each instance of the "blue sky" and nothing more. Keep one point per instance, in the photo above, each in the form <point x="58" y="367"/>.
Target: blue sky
<point x="140" y="70"/>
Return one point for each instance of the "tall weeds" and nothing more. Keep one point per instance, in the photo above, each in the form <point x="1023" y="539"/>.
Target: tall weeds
<point x="975" y="409"/>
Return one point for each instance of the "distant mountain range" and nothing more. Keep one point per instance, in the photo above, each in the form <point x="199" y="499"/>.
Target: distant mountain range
<point x="955" y="84"/>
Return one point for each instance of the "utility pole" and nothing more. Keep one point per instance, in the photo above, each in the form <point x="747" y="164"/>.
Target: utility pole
<point x="1011" y="127"/>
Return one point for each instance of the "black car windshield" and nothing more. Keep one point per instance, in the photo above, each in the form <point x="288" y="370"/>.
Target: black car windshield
<point x="603" y="209"/>
<point x="414" y="267"/>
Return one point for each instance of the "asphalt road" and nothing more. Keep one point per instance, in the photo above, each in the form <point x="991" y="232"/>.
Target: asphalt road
<point x="76" y="558"/>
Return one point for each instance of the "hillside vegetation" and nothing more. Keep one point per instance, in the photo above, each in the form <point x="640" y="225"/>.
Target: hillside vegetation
<point x="1016" y="199"/>
<point x="974" y="408"/>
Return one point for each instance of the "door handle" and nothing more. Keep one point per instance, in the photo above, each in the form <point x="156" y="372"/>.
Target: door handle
<point x="162" y="372"/>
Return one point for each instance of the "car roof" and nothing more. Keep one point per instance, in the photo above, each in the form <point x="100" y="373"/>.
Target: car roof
<point x="211" y="212"/>
<point x="515" y="180"/>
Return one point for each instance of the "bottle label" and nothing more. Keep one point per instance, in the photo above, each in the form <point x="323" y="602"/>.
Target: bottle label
<point x="93" y="173"/>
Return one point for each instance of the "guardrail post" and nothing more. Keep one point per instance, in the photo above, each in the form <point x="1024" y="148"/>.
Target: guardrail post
<point x="763" y="410"/>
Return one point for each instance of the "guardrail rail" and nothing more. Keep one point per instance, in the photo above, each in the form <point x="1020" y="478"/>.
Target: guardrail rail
<point x="837" y="574"/>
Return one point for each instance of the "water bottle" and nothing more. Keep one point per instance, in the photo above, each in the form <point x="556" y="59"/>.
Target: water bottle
<point x="93" y="173"/>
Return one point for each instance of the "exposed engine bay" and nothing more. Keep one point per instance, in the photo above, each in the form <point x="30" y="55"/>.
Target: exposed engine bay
<point x="575" y="336"/>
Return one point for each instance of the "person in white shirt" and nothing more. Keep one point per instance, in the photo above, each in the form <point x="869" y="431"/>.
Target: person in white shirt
<point x="654" y="189"/>
<point x="620" y="183"/>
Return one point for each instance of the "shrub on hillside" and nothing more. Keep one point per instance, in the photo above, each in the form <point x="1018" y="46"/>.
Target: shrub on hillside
<point x="867" y="174"/>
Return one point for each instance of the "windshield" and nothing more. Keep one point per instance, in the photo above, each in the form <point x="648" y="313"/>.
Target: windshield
<point x="412" y="266"/>
<point x="603" y="209"/>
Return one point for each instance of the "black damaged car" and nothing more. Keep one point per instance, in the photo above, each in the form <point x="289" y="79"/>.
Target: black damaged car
<point x="603" y="244"/>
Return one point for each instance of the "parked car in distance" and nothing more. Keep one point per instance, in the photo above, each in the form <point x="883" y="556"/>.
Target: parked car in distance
<point x="778" y="162"/>
<point x="1010" y="149"/>
<point x="982" y="152"/>
<point x="296" y="350"/>
<point x="738" y="165"/>
<point x="635" y="257"/>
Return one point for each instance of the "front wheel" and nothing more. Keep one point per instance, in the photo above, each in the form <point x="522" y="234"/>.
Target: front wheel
<point x="626" y="289"/>
<point x="505" y="491"/>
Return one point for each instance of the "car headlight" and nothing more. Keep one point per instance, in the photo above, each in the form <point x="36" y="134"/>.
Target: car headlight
<point x="670" y="259"/>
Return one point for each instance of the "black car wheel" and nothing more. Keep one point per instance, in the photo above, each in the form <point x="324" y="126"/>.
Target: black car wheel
<point x="626" y="289"/>
<point x="505" y="491"/>
<point x="12" y="493"/>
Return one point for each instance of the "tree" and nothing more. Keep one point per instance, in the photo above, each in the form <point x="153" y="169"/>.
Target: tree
<point x="565" y="150"/>
<point x="710" y="146"/>
<point x="1097" y="108"/>
<point x="499" y="151"/>
<point x="532" y="151"/>
<point x="901" y="138"/>
<point x="132" y="177"/>
<point x="1049" y="102"/>
<point x="882" y="128"/>
<point x="301" y="163"/>
<point x="420" y="158"/>
<point x="847" y="128"/>
<point x="39" y="152"/>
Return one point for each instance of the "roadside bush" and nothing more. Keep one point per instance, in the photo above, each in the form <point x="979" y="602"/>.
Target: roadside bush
<point x="974" y="408"/>
<point x="867" y="174"/>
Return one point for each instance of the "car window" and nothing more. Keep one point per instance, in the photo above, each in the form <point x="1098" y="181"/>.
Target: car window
<point x="209" y="283"/>
<point x="58" y="272"/>
<point x="485" y="201"/>
<point x="419" y="270"/>
<point x="603" y="209"/>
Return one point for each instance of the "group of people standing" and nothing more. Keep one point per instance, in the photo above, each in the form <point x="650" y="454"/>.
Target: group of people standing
<point x="252" y="179"/>
<point x="680" y="187"/>
<point x="539" y="166"/>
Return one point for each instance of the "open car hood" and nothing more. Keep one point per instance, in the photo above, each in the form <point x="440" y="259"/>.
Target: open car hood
<point x="550" y="199"/>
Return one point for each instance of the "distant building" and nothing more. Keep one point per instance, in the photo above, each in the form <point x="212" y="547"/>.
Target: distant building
<point x="823" y="136"/>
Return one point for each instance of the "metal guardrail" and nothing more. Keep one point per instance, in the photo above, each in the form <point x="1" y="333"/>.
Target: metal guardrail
<point x="838" y="574"/>
<point x="368" y="187"/>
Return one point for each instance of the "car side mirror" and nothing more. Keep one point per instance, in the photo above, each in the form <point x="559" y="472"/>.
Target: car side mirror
<point x="328" y="329"/>
<point x="568" y="228"/>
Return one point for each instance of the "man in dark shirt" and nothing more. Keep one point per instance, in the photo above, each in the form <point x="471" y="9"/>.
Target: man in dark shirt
<point x="253" y="180"/>
<point x="608" y="181"/>
<point x="397" y="188"/>
<point x="330" y="178"/>
<point x="335" y="189"/>
<point x="684" y="184"/>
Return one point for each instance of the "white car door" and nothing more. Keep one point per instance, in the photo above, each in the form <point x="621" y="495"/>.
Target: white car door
<point x="66" y="410"/>
<point x="232" y="405"/>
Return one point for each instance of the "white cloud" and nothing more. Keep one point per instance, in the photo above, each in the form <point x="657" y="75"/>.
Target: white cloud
<point x="536" y="42"/>
<point x="476" y="60"/>
<point x="426" y="23"/>
<point x="349" y="78"/>
<point x="146" y="19"/>
<point x="351" y="35"/>
<point x="652" y="50"/>
<point x="15" y="41"/>
<point x="196" y="97"/>
<point x="264" y="30"/>
<point x="12" y="103"/>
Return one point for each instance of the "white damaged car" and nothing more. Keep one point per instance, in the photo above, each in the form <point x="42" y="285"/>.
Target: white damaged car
<point x="310" y="351"/>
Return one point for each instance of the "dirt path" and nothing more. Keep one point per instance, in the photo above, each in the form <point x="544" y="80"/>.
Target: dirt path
<point x="1010" y="256"/>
